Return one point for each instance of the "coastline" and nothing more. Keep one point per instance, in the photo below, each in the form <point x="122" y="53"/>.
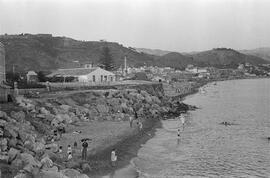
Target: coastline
<point x="125" y="168"/>
<point x="131" y="146"/>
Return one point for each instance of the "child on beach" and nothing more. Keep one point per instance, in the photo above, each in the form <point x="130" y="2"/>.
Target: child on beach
<point x="69" y="156"/>
<point x="69" y="149"/>
<point x="113" y="157"/>
<point x="130" y="121"/>
<point x="60" y="149"/>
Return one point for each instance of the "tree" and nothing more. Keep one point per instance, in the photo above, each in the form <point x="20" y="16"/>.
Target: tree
<point x="41" y="76"/>
<point x="106" y="60"/>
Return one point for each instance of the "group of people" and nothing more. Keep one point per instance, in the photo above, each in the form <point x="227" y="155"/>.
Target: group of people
<point x="139" y="123"/>
<point x="70" y="151"/>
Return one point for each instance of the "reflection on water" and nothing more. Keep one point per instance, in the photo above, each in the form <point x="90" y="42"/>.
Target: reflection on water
<point x="208" y="148"/>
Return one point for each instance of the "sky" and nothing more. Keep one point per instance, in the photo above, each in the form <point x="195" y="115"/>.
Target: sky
<point x="175" y="25"/>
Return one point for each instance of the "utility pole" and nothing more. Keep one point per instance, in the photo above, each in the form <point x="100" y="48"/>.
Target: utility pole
<point x="125" y="65"/>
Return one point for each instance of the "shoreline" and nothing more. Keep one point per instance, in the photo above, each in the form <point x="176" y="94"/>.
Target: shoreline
<point x="133" y="144"/>
<point x="126" y="150"/>
<point x="137" y="140"/>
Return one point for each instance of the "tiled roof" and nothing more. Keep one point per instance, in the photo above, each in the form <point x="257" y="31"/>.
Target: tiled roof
<point x="72" y="72"/>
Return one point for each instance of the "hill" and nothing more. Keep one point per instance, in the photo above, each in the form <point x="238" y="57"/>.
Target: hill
<point x="225" y="58"/>
<point x="45" y="52"/>
<point x="156" y="52"/>
<point x="175" y="60"/>
<point x="263" y="53"/>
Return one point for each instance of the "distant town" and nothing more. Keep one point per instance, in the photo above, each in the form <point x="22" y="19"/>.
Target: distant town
<point x="96" y="74"/>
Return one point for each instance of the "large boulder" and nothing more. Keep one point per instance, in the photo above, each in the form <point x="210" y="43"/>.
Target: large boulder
<point x="64" y="118"/>
<point x="19" y="116"/>
<point x="52" y="147"/>
<point x="86" y="167"/>
<point x="3" y="114"/>
<point x="22" y="175"/>
<point x="17" y="163"/>
<point x="70" y="172"/>
<point x="3" y="144"/>
<point x="65" y="107"/>
<point x="155" y="99"/>
<point x="102" y="108"/>
<point x="29" y="144"/>
<point x="50" y="174"/>
<point x="4" y="158"/>
<point x="148" y="99"/>
<point x="12" y="142"/>
<point x="39" y="147"/>
<point x="44" y="111"/>
<point x="12" y="154"/>
<point x="46" y="162"/>
<point x="31" y="164"/>
<point x="55" y="123"/>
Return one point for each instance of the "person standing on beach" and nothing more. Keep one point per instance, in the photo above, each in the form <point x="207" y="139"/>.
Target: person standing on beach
<point x="84" y="150"/>
<point x="113" y="157"/>
<point x="178" y="136"/>
<point x="140" y="126"/>
<point x="69" y="149"/>
<point x="130" y="121"/>
<point x="182" y="118"/>
<point x="69" y="156"/>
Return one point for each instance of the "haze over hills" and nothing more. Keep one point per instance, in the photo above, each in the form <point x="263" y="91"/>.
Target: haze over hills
<point x="225" y="58"/>
<point x="175" y="60"/>
<point x="156" y="52"/>
<point x="44" y="52"/>
<point x="259" y="52"/>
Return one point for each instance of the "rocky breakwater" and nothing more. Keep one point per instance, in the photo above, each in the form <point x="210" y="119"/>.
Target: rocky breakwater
<point x="29" y="136"/>
<point x="23" y="152"/>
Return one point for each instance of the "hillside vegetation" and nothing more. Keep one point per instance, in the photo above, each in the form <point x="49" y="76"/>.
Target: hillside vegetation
<point x="156" y="52"/>
<point x="224" y="58"/>
<point x="45" y="52"/>
<point x="263" y="53"/>
<point x="36" y="52"/>
<point x="175" y="60"/>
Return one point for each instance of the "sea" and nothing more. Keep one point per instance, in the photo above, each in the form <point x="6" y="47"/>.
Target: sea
<point x="208" y="148"/>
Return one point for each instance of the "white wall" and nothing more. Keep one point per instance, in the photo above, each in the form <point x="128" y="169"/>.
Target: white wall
<point x="106" y="76"/>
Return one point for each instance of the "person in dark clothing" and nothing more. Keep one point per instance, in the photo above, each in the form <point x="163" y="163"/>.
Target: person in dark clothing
<point x="136" y="115"/>
<point x="84" y="150"/>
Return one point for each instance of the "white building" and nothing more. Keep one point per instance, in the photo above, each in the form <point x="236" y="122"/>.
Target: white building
<point x="93" y="74"/>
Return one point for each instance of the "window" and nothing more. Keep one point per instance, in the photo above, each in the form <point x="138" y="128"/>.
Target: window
<point x="101" y="78"/>
<point x="111" y="78"/>
<point x="105" y="78"/>
<point x="94" y="78"/>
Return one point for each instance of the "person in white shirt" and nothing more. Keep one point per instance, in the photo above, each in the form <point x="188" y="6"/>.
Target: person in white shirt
<point x="113" y="157"/>
<point x="69" y="156"/>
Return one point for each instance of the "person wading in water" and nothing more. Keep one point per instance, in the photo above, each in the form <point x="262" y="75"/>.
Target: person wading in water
<point x="183" y="120"/>
<point x="178" y="136"/>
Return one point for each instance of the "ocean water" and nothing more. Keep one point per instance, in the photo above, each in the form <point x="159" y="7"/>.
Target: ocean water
<point x="208" y="148"/>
